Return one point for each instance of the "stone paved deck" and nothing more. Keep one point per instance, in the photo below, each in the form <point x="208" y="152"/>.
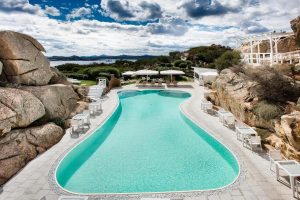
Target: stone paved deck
<point x="256" y="182"/>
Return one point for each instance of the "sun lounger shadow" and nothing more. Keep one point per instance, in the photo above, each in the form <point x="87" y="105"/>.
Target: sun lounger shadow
<point x="285" y="180"/>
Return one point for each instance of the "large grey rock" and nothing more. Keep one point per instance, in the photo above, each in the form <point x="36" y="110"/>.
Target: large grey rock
<point x="19" y="109"/>
<point x="295" y="25"/>
<point x="23" y="60"/>
<point x="59" y="100"/>
<point x="20" y="146"/>
<point x="58" y="77"/>
<point x="7" y="119"/>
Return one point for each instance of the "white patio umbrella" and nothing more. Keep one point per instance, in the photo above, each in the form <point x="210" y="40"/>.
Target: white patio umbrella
<point x="146" y="72"/>
<point x="128" y="73"/>
<point x="172" y="72"/>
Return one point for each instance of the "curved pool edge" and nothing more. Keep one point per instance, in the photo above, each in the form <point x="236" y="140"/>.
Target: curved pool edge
<point x="55" y="186"/>
<point x="241" y="172"/>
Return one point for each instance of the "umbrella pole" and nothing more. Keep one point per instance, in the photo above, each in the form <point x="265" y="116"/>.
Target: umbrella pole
<point x="171" y="78"/>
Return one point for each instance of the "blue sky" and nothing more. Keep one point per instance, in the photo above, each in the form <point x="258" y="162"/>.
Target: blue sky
<point x="137" y="27"/>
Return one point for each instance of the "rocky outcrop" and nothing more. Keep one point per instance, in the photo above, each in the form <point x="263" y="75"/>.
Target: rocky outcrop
<point x="59" y="100"/>
<point x="82" y="92"/>
<point x="20" y="109"/>
<point x="114" y="82"/>
<point x="22" y="145"/>
<point x="295" y="25"/>
<point x="288" y="130"/>
<point x="233" y="91"/>
<point x="58" y="78"/>
<point x="23" y="60"/>
<point x="28" y="102"/>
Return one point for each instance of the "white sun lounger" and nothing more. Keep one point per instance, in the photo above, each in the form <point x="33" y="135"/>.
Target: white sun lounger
<point x="228" y="119"/>
<point x="254" y="141"/>
<point x="291" y="168"/>
<point x="244" y="132"/>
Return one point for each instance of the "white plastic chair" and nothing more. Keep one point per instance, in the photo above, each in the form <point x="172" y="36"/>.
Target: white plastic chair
<point x="76" y="125"/>
<point x="87" y="122"/>
<point x="229" y="121"/>
<point x="92" y="110"/>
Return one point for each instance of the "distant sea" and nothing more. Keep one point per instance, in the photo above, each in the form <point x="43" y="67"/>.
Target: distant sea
<point x="61" y="62"/>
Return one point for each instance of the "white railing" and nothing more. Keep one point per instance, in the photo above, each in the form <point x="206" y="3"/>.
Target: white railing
<point x="268" y="58"/>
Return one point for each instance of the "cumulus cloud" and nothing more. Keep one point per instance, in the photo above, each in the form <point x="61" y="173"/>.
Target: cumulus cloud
<point x="202" y="8"/>
<point x="253" y="27"/>
<point x="79" y="13"/>
<point x="50" y="10"/>
<point x="131" y="10"/>
<point x="165" y="28"/>
<point x="153" y="9"/>
<point x="169" y="26"/>
<point x="20" y="6"/>
<point x="118" y="9"/>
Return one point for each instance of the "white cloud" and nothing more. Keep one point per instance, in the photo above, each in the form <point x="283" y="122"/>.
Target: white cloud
<point x="174" y="30"/>
<point x="20" y="6"/>
<point x="50" y="10"/>
<point x="131" y="10"/>
<point x="79" y="13"/>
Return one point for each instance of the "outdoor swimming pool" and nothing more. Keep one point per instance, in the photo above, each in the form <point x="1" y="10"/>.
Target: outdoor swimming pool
<point x="147" y="145"/>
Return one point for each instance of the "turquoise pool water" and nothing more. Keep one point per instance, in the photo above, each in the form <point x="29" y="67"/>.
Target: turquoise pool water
<point x="147" y="145"/>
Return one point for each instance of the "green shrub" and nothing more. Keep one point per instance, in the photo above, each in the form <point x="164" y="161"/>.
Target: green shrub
<point x="267" y="111"/>
<point x="227" y="59"/>
<point x="106" y="75"/>
<point x="114" y="71"/>
<point x="67" y="67"/>
<point x="59" y="122"/>
<point x="183" y="65"/>
<point x="76" y="76"/>
<point x="178" y="62"/>
<point x="273" y="86"/>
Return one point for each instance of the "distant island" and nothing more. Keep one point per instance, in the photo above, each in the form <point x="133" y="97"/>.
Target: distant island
<point x="101" y="57"/>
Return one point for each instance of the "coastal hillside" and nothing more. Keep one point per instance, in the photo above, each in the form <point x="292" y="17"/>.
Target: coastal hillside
<point x="266" y="97"/>
<point x="36" y="102"/>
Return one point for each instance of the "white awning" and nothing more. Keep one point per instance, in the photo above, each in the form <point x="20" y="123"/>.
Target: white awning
<point x="172" y="72"/>
<point x="128" y="73"/>
<point x="146" y="72"/>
